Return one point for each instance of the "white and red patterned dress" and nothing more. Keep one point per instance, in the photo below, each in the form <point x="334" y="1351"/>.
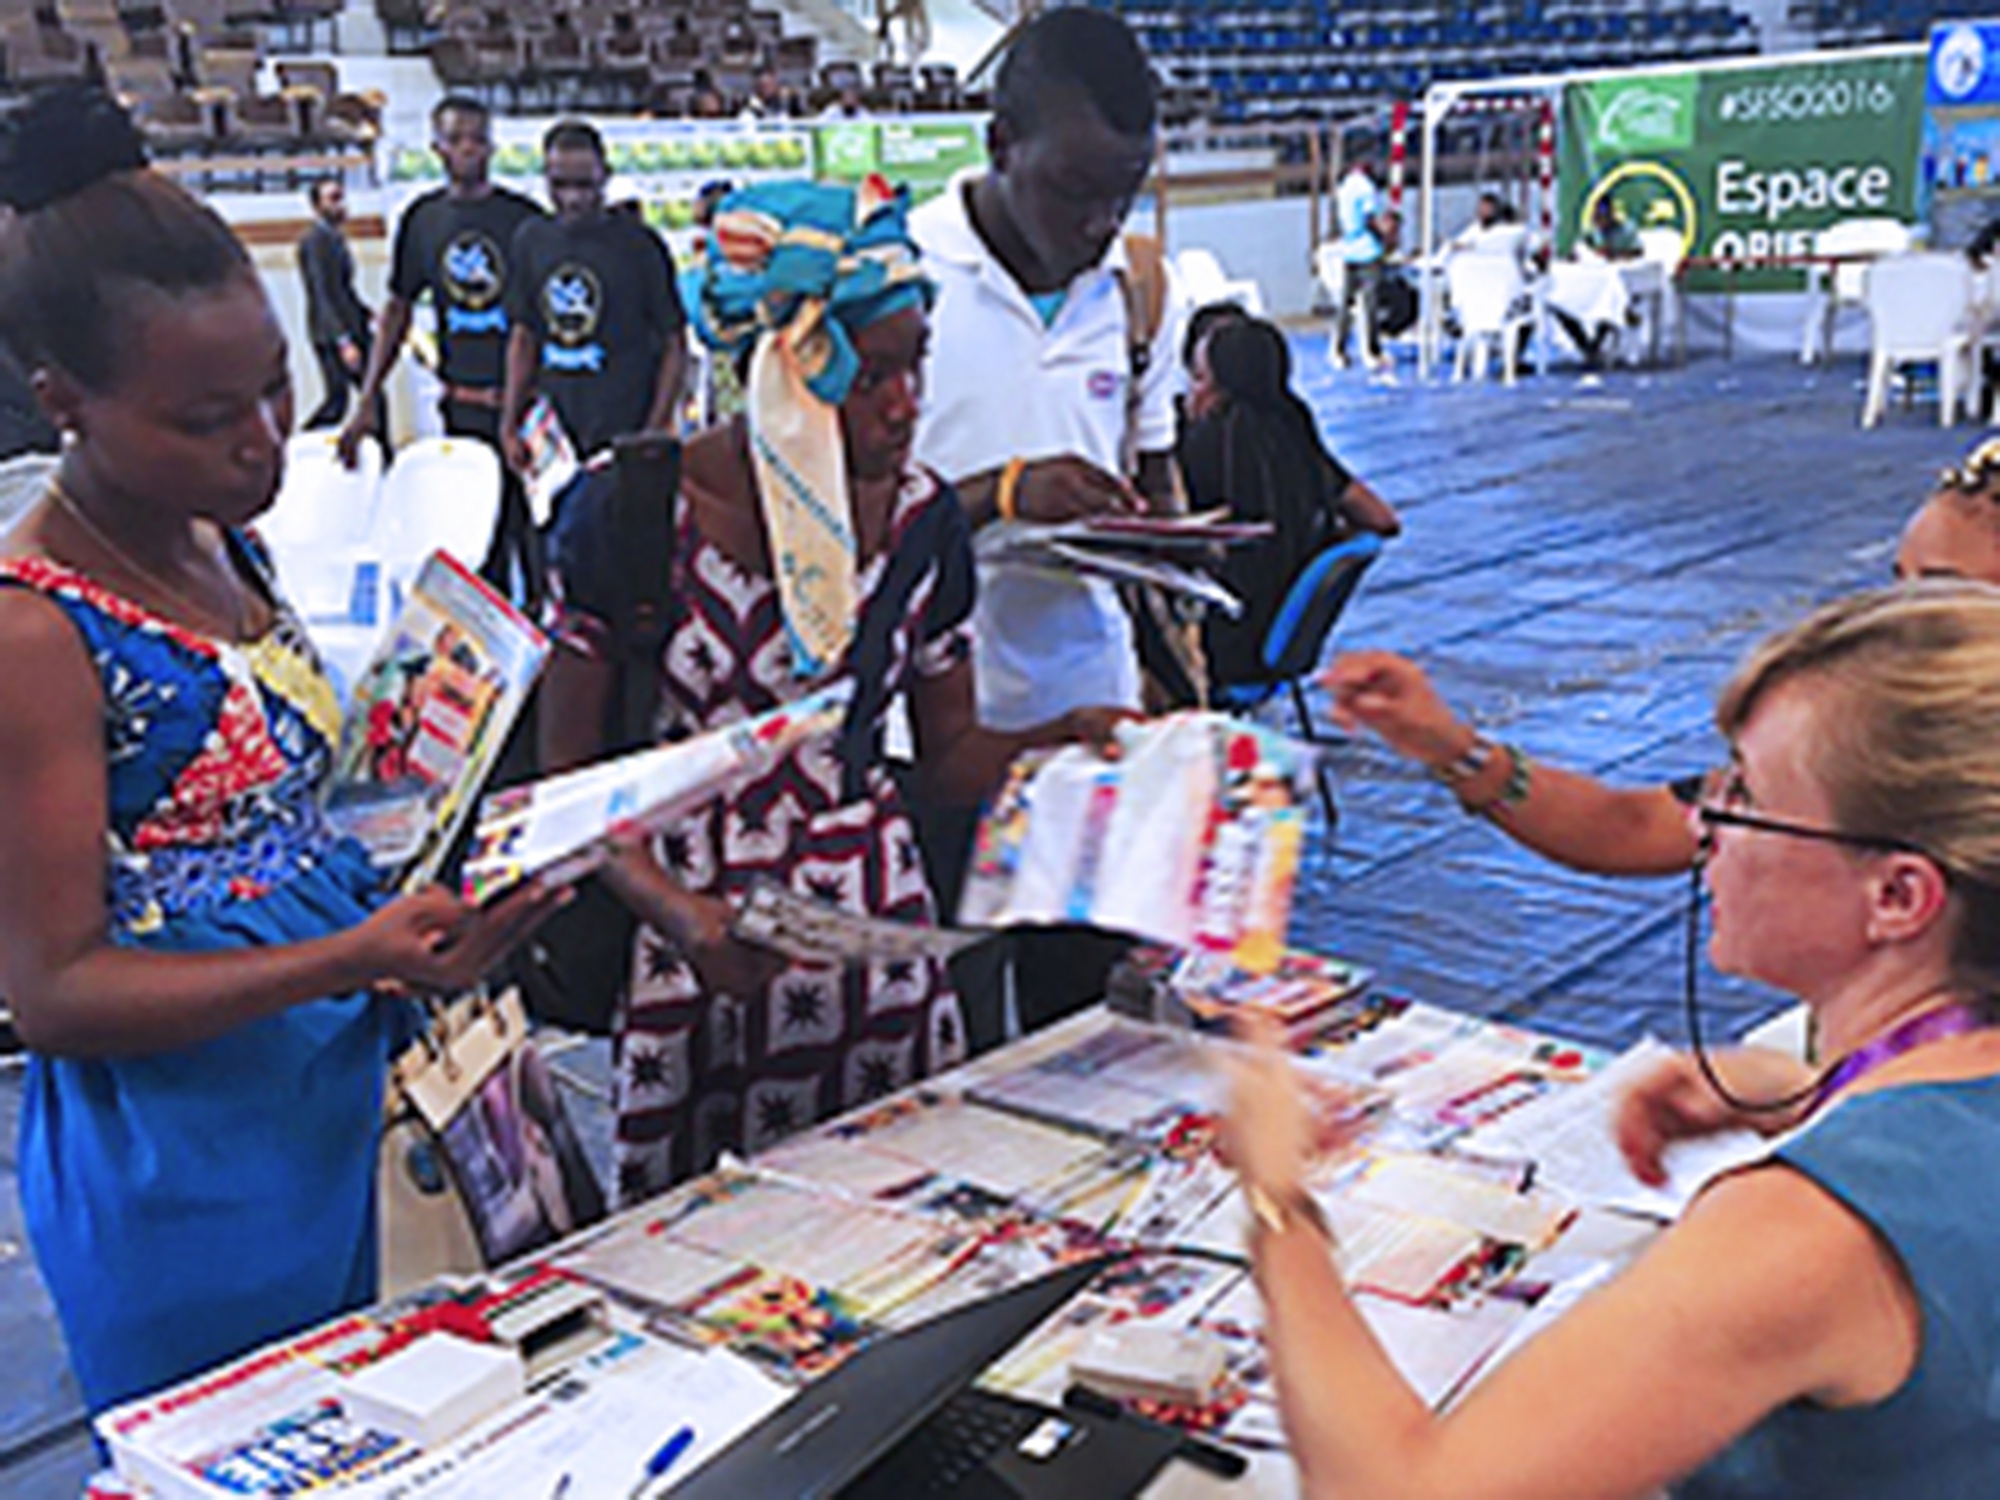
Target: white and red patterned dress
<point x="698" y="1071"/>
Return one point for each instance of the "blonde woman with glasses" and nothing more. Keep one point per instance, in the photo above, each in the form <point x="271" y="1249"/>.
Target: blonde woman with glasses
<point x="1823" y="1323"/>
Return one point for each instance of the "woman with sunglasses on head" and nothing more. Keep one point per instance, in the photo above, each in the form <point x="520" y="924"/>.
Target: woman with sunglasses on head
<point x="190" y="953"/>
<point x="1825" y="1322"/>
<point x="1571" y="817"/>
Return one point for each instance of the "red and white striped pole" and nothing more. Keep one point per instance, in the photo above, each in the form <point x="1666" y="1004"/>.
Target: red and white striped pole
<point x="1545" y="165"/>
<point x="1399" y="150"/>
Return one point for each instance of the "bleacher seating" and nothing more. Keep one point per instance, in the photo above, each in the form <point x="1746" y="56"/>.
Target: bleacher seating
<point x="1835" y="23"/>
<point x="190" y="71"/>
<point x="1264" y="58"/>
<point x="668" y="57"/>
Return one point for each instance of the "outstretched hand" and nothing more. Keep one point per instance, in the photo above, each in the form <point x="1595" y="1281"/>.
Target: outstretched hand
<point x="1391" y="695"/>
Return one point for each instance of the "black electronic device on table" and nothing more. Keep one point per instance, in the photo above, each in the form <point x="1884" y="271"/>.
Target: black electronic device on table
<point x="901" y="1418"/>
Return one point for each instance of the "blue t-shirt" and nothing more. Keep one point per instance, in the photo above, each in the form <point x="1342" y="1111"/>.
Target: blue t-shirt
<point x="1921" y="1164"/>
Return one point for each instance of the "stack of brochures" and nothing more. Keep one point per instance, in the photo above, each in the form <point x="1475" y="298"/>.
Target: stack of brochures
<point x="1167" y="551"/>
<point x="1303" y="993"/>
<point x="428" y="718"/>
<point x="1191" y="837"/>
<point x="561" y="829"/>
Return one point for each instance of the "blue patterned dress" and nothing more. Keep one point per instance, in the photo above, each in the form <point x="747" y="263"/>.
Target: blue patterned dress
<point x="186" y="1206"/>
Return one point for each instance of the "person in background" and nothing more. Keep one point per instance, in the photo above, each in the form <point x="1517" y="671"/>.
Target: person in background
<point x="1358" y="209"/>
<point x="810" y="547"/>
<point x="714" y="394"/>
<point x="1573" y="818"/>
<point x="1608" y="236"/>
<point x="769" y="99"/>
<point x="1255" y="448"/>
<point x="199" y="967"/>
<point x="847" y="104"/>
<point x="1202" y="395"/>
<point x="455" y="243"/>
<point x="336" y="318"/>
<point x="1495" y="230"/>
<point x="1036" y="292"/>
<point x="1819" y="1321"/>
<point x="597" y="323"/>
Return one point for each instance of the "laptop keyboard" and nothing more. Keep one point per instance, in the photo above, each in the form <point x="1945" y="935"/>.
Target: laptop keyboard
<point x="953" y="1444"/>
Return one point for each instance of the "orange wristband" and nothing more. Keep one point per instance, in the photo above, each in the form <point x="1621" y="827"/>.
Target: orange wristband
<point x="1009" y="488"/>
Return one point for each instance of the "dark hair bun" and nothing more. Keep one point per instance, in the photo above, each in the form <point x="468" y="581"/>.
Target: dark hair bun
<point x="60" y="141"/>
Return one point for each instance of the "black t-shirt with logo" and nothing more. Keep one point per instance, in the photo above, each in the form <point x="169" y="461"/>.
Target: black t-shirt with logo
<point x="460" y="251"/>
<point x="601" y="300"/>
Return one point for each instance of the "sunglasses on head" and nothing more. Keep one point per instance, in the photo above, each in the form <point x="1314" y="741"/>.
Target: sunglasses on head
<point x="1976" y="472"/>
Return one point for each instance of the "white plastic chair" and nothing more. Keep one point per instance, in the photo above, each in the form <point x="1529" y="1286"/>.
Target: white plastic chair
<point x="440" y="493"/>
<point x="1871" y="237"/>
<point x="1488" y="294"/>
<point x="319" y="534"/>
<point x="24" y="479"/>
<point x="1922" y="308"/>
<point x="1203" y="279"/>
<point x="321" y="502"/>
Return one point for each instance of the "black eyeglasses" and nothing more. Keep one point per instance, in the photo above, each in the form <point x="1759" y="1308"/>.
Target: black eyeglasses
<point x="1721" y="789"/>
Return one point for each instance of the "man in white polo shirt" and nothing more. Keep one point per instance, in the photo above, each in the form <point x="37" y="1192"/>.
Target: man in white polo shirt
<point x="1036" y="404"/>
<point x="1028" y="398"/>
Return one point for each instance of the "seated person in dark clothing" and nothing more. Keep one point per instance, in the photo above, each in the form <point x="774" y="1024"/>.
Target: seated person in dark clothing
<point x="598" y="325"/>
<point x="1252" y="445"/>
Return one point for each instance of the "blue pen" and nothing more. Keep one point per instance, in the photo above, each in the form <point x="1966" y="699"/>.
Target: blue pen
<point x="664" y="1458"/>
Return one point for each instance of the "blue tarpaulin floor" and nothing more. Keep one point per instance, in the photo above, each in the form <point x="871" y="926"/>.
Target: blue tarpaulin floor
<point x="1582" y="565"/>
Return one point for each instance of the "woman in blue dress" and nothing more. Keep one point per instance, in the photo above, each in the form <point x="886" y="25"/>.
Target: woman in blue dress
<point x="194" y="962"/>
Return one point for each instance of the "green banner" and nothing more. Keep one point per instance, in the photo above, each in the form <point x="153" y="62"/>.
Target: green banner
<point x="924" y="154"/>
<point x="1747" y="163"/>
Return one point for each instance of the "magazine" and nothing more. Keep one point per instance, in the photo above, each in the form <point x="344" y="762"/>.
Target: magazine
<point x="561" y="829"/>
<point x="1165" y="551"/>
<point x="817" y="931"/>
<point x="428" y="718"/>
<point x="552" y="459"/>
<point x="1192" y="838"/>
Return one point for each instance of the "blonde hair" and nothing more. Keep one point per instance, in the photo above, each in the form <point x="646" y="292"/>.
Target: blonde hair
<point x="1908" y="738"/>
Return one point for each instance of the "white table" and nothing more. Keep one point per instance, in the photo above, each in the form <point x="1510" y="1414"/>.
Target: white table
<point x="1602" y="293"/>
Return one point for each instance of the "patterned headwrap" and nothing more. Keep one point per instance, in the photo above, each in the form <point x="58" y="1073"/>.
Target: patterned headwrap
<point x="794" y="270"/>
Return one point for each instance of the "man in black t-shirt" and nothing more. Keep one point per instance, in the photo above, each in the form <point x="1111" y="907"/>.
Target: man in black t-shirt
<point x="598" y="325"/>
<point x="456" y="243"/>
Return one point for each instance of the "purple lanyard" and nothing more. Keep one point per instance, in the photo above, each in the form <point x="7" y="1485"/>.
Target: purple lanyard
<point x="1918" y="1031"/>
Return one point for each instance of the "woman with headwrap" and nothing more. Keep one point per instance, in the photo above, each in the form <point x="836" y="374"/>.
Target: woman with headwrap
<point x="808" y="546"/>
<point x="1251" y="445"/>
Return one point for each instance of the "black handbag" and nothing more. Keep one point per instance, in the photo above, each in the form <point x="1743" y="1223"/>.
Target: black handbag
<point x="573" y="969"/>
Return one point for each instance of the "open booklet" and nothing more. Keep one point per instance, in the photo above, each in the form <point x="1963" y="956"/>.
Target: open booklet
<point x="561" y="829"/>
<point x="428" y="717"/>
<point x="1191" y="837"/>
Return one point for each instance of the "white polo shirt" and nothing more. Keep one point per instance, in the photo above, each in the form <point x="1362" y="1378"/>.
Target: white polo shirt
<point x="1000" y="384"/>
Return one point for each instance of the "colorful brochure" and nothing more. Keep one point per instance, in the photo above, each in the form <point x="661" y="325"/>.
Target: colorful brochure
<point x="561" y="829"/>
<point x="429" y="716"/>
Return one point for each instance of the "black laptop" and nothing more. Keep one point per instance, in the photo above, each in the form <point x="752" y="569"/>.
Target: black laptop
<point x="901" y="1419"/>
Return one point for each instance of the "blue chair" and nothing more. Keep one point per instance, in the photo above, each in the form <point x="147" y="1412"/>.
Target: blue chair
<point x="1297" y="640"/>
